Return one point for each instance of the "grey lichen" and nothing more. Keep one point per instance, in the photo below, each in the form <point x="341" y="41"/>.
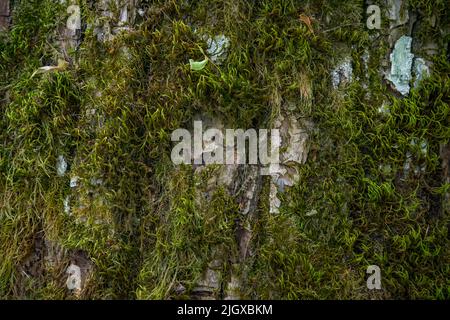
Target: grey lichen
<point x="421" y="71"/>
<point x="217" y="48"/>
<point x="342" y="73"/>
<point x="401" y="64"/>
<point x="61" y="166"/>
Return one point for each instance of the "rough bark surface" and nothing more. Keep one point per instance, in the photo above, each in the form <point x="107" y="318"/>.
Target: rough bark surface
<point x="90" y="97"/>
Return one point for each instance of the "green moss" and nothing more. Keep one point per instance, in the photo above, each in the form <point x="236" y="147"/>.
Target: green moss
<point x="143" y="227"/>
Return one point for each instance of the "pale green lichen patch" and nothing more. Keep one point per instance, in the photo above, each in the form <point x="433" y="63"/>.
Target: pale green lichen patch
<point x="401" y="65"/>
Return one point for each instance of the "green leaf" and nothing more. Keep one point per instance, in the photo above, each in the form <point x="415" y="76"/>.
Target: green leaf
<point x="197" y="65"/>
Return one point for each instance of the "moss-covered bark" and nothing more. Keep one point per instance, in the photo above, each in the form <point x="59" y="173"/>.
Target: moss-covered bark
<point x="369" y="171"/>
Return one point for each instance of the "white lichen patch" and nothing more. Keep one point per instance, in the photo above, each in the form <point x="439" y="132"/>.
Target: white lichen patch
<point x="61" y="166"/>
<point x="78" y="272"/>
<point x="274" y="202"/>
<point x="343" y="73"/>
<point x="73" y="281"/>
<point x="401" y="64"/>
<point x="421" y="71"/>
<point x="217" y="48"/>
<point x="74" y="181"/>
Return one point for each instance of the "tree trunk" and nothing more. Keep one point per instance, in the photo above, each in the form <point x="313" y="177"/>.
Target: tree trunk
<point x="93" y="205"/>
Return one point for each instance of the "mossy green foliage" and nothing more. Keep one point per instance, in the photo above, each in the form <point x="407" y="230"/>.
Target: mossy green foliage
<point x="143" y="228"/>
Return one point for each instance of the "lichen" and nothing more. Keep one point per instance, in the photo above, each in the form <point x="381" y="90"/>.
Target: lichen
<point x="401" y="64"/>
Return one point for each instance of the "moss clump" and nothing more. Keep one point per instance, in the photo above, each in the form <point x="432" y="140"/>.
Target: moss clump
<point x="137" y="218"/>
